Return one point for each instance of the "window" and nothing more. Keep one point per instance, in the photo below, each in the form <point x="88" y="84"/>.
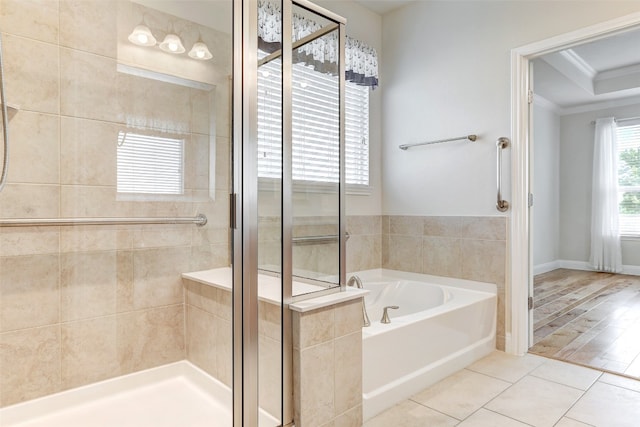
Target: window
<point x="628" y="142"/>
<point x="150" y="164"/>
<point x="315" y="131"/>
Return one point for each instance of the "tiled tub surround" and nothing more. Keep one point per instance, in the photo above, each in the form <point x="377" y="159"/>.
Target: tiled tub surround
<point x="82" y="304"/>
<point x="440" y="326"/>
<point x="472" y="248"/>
<point x="327" y="345"/>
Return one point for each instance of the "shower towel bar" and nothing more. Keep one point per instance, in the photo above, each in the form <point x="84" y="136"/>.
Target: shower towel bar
<point x="471" y="138"/>
<point x="199" y="220"/>
<point x="315" y="240"/>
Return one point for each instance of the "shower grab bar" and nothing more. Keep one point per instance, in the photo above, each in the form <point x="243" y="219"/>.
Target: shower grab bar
<point x="199" y="220"/>
<point x="316" y="240"/>
<point x="501" y="144"/>
<point x="471" y="138"/>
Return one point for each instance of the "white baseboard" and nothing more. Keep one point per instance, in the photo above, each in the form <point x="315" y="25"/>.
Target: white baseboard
<point x="633" y="270"/>
<point x="546" y="267"/>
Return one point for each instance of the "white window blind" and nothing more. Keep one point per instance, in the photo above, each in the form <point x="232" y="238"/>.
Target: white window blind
<point x="628" y="142"/>
<point x="315" y="148"/>
<point x="149" y="164"/>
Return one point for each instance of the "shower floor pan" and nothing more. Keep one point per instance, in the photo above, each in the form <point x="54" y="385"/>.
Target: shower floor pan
<point x="174" y="395"/>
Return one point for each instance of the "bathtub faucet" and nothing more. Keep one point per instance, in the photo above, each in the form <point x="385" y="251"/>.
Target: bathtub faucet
<point x="358" y="284"/>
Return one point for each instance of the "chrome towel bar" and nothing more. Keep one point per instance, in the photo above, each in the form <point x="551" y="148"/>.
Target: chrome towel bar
<point x="316" y="240"/>
<point x="198" y="220"/>
<point x="501" y="144"/>
<point x="471" y="138"/>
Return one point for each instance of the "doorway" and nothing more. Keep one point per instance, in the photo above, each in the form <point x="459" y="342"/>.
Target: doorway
<point x="523" y="173"/>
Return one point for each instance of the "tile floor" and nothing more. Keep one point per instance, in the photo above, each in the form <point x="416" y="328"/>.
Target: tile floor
<point x="589" y="318"/>
<point x="509" y="391"/>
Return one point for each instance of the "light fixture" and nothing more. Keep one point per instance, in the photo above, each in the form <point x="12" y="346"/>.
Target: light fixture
<point x="200" y="51"/>
<point x="172" y="44"/>
<point x="141" y="35"/>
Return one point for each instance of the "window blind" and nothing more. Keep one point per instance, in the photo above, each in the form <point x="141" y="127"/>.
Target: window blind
<point x="628" y="143"/>
<point x="315" y="130"/>
<point x="149" y="164"/>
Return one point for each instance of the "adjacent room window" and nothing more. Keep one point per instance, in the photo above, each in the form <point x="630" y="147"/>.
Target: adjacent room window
<point x="150" y="164"/>
<point x="628" y="142"/>
<point x="315" y="117"/>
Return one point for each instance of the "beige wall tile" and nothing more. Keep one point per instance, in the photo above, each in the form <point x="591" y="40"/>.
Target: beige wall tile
<point x="269" y="320"/>
<point x="159" y="236"/>
<point x="316" y="386"/>
<point x="89" y="26"/>
<point x="446" y="226"/>
<point x="209" y="256"/>
<point x="88" y="284"/>
<point x="210" y="235"/>
<point x="364" y="224"/>
<point x="150" y="338"/>
<point x="202" y="339"/>
<point x="224" y="304"/>
<point x="98" y="238"/>
<point x="485" y="227"/>
<point x="313" y="327"/>
<point x="29" y="241"/>
<point x="364" y="252"/>
<point x="35" y="148"/>
<point x="35" y="19"/>
<point x="484" y="260"/>
<point x="89" y="351"/>
<point x="202" y="118"/>
<point x="124" y="291"/>
<point x="442" y="256"/>
<point x="348" y="372"/>
<point x="223" y="108"/>
<point x="351" y="418"/>
<point x="156" y="276"/>
<point x="29" y="291"/>
<point x="29" y="364"/>
<point x="196" y="162"/>
<point x="224" y="352"/>
<point x="348" y="318"/>
<point x="223" y="162"/>
<point x="91" y="87"/>
<point x="404" y="253"/>
<point x="409" y="225"/>
<point x="88" y="152"/>
<point x="270" y="375"/>
<point x="31" y="74"/>
<point x="29" y="201"/>
<point x="94" y="201"/>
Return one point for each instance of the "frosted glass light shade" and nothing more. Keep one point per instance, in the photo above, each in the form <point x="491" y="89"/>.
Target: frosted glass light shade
<point x="172" y="44"/>
<point x="200" y="51"/>
<point x="141" y="35"/>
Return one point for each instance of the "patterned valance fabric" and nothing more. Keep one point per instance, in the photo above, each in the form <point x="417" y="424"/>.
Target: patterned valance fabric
<point x="361" y="61"/>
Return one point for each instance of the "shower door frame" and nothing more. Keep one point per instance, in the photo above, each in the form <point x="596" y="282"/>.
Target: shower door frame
<point x="244" y="205"/>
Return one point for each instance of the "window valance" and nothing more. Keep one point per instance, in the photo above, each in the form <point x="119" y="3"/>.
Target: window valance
<point x="361" y="60"/>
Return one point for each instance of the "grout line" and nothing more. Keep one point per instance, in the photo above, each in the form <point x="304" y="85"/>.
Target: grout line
<point x="507" y="416"/>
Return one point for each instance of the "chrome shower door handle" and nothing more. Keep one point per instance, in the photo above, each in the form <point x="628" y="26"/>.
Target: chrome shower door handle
<point x="501" y="144"/>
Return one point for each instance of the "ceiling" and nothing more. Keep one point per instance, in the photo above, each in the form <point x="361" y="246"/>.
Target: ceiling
<point x="383" y="6"/>
<point x="605" y="70"/>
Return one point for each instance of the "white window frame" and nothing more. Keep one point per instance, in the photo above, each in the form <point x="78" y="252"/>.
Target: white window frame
<point x="629" y="224"/>
<point x="269" y="75"/>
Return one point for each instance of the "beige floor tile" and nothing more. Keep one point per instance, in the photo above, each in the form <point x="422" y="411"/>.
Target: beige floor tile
<point x="568" y="422"/>
<point x="461" y="394"/>
<point x="507" y="367"/>
<point x="485" y="418"/>
<point x="567" y="374"/>
<point x="410" y="414"/>
<point x="620" y="381"/>
<point x="535" y="401"/>
<point x="606" y="405"/>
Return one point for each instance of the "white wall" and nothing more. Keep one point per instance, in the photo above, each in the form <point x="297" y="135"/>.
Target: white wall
<point x="446" y="72"/>
<point x="546" y="185"/>
<point x="576" y="166"/>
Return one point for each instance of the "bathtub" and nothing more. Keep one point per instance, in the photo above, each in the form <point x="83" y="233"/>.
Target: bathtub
<point x="442" y="325"/>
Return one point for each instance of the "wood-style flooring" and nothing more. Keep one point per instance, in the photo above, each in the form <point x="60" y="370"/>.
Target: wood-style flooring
<point x="589" y="318"/>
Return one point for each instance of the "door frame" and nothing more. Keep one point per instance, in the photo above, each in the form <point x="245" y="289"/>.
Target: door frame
<point x="517" y="342"/>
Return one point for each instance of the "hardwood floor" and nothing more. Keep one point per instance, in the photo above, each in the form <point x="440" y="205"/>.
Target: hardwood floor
<point x="589" y="318"/>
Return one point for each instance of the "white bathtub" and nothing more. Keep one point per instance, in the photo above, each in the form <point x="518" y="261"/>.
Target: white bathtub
<point x="442" y="326"/>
